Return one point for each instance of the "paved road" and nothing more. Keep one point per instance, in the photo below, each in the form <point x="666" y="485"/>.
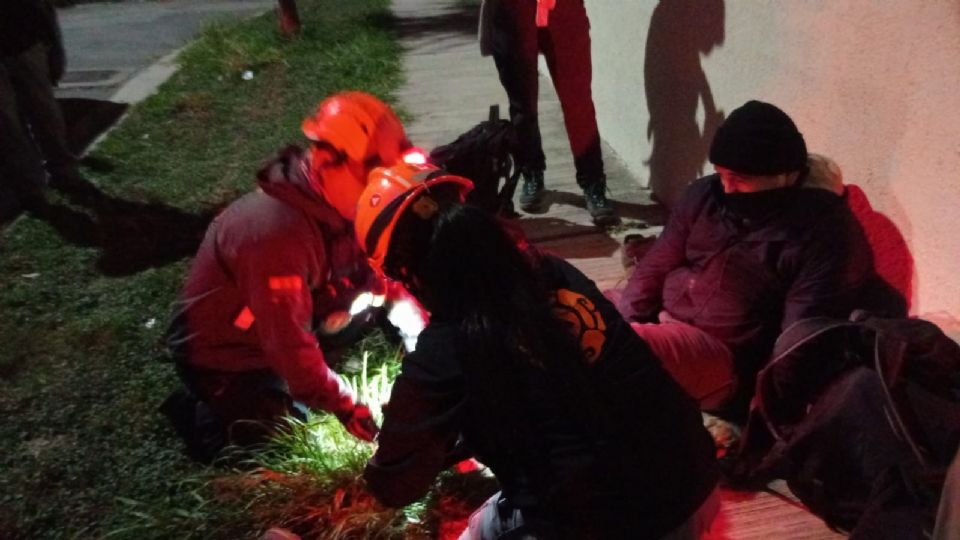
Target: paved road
<point x="108" y="44"/>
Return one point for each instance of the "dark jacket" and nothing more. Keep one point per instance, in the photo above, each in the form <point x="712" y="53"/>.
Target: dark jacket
<point x="744" y="281"/>
<point x="25" y="23"/>
<point x="271" y="264"/>
<point x="625" y="457"/>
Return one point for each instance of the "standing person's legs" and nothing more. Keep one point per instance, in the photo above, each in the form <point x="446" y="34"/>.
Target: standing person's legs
<point x="566" y="46"/>
<point x="515" y="51"/>
<point x="31" y="79"/>
<point x="699" y="362"/>
<point x="21" y="168"/>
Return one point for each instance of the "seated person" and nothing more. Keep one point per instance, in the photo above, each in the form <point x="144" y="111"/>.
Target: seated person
<point x="747" y="252"/>
<point x="271" y="265"/>
<point x="529" y="368"/>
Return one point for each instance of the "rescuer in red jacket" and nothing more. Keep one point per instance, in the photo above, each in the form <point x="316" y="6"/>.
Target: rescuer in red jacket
<point x="276" y="264"/>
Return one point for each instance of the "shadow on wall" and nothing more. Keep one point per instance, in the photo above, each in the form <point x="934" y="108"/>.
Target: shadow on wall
<point x="675" y="84"/>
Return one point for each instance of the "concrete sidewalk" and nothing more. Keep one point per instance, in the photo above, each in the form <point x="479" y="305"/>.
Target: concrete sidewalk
<point x="449" y="88"/>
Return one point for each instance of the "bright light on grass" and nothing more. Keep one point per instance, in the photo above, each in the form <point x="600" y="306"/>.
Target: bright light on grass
<point x="309" y="477"/>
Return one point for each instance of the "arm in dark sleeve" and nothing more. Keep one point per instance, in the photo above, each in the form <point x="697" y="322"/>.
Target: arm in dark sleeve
<point x="832" y="267"/>
<point x="419" y="432"/>
<point x="275" y="276"/>
<point x="642" y="298"/>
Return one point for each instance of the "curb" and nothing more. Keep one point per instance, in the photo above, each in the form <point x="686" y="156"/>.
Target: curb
<point x="146" y="82"/>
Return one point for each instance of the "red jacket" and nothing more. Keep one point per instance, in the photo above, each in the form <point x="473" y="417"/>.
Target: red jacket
<point x="274" y="262"/>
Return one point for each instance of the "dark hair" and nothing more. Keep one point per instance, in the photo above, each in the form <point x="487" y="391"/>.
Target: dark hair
<point x="466" y="268"/>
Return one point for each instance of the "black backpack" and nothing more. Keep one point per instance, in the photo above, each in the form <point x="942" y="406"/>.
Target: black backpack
<point x="486" y="154"/>
<point x="862" y="418"/>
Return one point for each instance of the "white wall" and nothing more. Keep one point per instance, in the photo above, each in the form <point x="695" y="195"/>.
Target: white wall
<point x="875" y="84"/>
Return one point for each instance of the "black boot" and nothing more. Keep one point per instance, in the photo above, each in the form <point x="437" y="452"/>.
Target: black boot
<point x="531" y="192"/>
<point x="196" y="424"/>
<point x="595" y="196"/>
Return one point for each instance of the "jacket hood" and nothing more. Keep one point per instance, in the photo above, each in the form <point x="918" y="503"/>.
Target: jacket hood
<point x="285" y="178"/>
<point x="824" y="173"/>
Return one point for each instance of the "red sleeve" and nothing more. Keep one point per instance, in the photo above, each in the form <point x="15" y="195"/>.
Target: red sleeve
<point x="276" y="277"/>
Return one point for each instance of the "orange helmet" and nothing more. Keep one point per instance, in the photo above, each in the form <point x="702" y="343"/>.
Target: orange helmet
<point x="389" y="193"/>
<point x="358" y="125"/>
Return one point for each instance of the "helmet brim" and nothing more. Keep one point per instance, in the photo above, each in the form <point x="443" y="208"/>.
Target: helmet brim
<point x="376" y="241"/>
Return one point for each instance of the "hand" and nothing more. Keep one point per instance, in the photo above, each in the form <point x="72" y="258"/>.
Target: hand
<point x="335" y="322"/>
<point x="360" y="423"/>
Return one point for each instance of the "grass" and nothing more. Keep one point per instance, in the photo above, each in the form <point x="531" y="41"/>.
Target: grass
<point x="309" y="478"/>
<point x="83" y="452"/>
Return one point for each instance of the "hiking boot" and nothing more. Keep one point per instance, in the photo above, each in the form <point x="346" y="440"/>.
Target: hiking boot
<point x="195" y="424"/>
<point x="531" y="192"/>
<point x="600" y="208"/>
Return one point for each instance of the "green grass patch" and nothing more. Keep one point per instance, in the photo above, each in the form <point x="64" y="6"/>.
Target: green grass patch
<point x="83" y="451"/>
<point x="309" y="478"/>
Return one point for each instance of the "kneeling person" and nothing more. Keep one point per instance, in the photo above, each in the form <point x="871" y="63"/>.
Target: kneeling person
<point x="525" y="365"/>
<point x="273" y="263"/>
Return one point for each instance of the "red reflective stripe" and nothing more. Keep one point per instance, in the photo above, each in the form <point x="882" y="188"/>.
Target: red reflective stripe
<point x="245" y="319"/>
<point x="285" y="283"/>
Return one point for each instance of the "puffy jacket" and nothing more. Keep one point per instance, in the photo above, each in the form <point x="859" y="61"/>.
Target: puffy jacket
<point x="271" y="264"/>
<point x="744" y="281"/>
<point x="637" y="467"/>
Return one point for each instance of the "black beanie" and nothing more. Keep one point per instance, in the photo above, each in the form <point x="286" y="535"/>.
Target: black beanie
<point x="759" y="138"/>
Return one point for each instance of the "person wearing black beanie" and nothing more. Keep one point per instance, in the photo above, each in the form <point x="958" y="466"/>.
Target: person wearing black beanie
<point x="759" y="139"/>
<point x="746" y="252"/>
<point x="760" y="156"/>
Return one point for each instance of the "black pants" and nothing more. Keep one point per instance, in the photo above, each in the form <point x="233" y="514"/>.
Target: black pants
<point x="565" y="43"/>
<point x="26" y="100"/>
<point x="216" y="408"/>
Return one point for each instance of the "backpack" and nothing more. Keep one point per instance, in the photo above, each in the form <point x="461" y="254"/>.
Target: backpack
<point x="486" y="154"/>
<point x="862" y="418"/>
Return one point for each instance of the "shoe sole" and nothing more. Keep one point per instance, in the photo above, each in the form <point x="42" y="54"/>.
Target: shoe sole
<point x="532" y="206"/>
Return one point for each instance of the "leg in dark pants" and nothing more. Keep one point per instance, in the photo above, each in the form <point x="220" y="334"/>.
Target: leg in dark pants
<point x="515" y="52"/>
<point x="30" y="75"/>
<point x="565" y="43"/>
<point x="215" y="408"/>
<point x="22" y="177"/>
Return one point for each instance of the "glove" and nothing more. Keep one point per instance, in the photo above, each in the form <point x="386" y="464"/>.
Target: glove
<point x="359" y="422"/>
